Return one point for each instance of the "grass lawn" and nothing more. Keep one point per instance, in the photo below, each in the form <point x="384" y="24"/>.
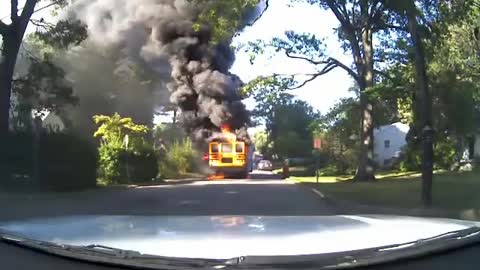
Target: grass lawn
<point x="339" y="179"/>
<point x="402" y="190"/>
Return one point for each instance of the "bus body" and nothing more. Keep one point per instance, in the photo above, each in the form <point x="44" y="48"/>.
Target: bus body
<point x="230" y="158"/>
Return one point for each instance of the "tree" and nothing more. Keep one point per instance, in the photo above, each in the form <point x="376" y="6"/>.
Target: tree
<point x="226" y="17"/>
<point x="359" y="21"/>
<point x="261" y="143"/>
<point x="12" y="37"/>
<point x="294" y="138"/>
<point x="427" y="22"/>
<point x="275" y="108"/>
<point x="125" y="153"/>
<point x="339" y="132"/>
<point x="115" y="130"/>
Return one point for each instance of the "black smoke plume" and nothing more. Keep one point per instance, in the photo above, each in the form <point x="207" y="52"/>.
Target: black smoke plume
<point x="160" y="33"/>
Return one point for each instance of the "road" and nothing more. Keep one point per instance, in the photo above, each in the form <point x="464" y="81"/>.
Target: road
<point x="262" y="195"/>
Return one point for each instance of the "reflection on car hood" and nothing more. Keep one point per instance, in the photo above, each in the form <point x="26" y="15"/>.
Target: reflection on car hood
<point x="222" y="237"/>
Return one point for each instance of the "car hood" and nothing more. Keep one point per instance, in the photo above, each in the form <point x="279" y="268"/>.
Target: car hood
<point x="222" y="237"/>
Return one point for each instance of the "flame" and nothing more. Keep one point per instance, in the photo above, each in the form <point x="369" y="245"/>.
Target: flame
<point x="227" y="133"/>
<point x="219" y="176"/>
<point x="225" y="129"/>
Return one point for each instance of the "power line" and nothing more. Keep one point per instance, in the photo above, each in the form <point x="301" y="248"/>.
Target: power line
<point x="37" y="10"/>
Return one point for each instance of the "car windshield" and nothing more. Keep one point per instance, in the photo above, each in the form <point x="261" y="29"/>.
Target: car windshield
<point x="143" y="125"/>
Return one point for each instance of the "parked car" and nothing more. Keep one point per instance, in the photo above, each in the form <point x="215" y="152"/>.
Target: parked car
<point x="265" y="165"/>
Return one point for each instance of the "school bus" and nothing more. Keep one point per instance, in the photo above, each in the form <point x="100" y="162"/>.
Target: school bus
<point x="230" y="157"/>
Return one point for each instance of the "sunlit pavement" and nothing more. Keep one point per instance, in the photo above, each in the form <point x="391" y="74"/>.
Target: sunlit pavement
<point x="256" y="196"/>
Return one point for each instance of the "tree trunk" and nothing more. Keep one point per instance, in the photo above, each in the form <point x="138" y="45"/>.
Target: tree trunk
<point x="366" y="169"/>
<point x="12" y="39"/>
<point x="10" y="48"/>
<point x="424" y="109"/>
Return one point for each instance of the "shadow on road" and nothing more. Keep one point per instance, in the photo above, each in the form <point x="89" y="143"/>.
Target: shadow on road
<point x="259" y="175"/>
<point x="263" y="195"/>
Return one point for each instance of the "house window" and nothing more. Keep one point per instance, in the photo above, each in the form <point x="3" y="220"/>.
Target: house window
<point x="387" y="143"/>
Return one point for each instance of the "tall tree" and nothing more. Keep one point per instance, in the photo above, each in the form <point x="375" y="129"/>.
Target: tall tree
<point x="359" y="21"/>
<point x="428" y="25"/>
<point x="12" y="34"/>
<point x="225" y="18"/>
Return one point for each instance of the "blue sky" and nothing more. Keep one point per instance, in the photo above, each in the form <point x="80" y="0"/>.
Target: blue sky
<point x="325" y="90"/>
<point x="280" y="17"/>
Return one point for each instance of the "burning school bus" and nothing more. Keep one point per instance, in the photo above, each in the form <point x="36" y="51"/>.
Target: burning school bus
<point x="229" y="157"/>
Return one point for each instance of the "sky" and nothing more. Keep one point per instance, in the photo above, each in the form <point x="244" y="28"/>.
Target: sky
<point x="280" y="17"/>
<point x="325" y="90"/>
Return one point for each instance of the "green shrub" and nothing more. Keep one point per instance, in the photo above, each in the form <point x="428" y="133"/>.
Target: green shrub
<point x="120" y="166"/>
<point x="446" y="153"/>
<point x="109" y="161"/>
<point x="330" y="170"/>
<point x="180" y="158"/>
<point x="410" y="159"/>
<point x="65" y="162"/>
<point x="139" y="166"/>
<point x="16" y="159"/>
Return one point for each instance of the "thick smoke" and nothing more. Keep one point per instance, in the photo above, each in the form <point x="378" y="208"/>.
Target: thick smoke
<point x="106" y="82"/>
<point x="161" y="34"/>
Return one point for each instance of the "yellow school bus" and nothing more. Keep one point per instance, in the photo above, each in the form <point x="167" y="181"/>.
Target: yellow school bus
<point x="229" y="157"/>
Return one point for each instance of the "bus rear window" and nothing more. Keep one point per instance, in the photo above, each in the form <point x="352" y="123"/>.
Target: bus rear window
<point x="214" y="148"/>
<point x="226" y="148"/>
<point x="239" y="148"/>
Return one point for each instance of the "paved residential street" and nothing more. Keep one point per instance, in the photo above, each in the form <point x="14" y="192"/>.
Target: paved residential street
<point x="262" y="195"/>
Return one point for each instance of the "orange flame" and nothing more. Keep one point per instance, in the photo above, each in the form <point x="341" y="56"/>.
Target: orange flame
<point x="227" y="133"/>
<point x="218" y="176"/>
<point x="225" y="129"/>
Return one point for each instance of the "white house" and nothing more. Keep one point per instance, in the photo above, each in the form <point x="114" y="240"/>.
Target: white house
<point x="388" y="142"/>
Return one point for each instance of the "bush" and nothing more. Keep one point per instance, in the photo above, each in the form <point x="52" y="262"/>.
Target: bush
<point x="109" y="161"/>
<point x="180" y="158"/>
<point x="410" y="159"/>
<point x="446" y="154"/>
<point x="120" y="166"/>
<point x="16" y="159"/>
<point x="65" y="162"/>
<point x="140" y="166"/>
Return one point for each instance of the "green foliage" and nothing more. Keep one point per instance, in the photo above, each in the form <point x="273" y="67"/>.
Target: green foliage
<point x="292" y="138"/>
<point x="63" y="34"/>
<point x="225" y="18"/>
<point x="109" y="160"/>
<point x="115" y="130"/>
<point x="339" y="131"/>
<point x="179" y="159"/>
<point x="125" y="154"/>
<point x="139" y="166"/>
<point x="165" y="135"/>
<point x="261" y="143"/>
<point x="411" y="159"/>
<point x="65" y="162"/>
<point x="44" y="87"/>
<point x="447" y="152"/>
